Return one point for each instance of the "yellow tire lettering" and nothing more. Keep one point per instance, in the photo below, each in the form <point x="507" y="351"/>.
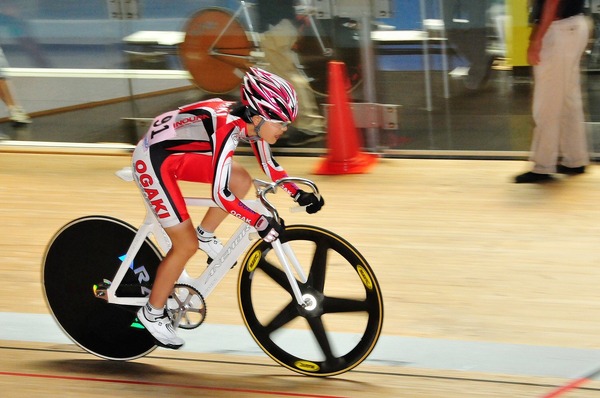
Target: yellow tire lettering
<point x="307" y="366"/>
<point x="364" y="276"/>
<point x="253" y="260"/>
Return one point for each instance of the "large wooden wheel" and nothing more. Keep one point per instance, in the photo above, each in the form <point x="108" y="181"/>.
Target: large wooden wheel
<point x="216" y="50"/>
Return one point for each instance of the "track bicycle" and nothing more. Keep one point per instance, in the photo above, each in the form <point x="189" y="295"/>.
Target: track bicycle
<point x="220" y="45"/>
<point x="292" y="293"/>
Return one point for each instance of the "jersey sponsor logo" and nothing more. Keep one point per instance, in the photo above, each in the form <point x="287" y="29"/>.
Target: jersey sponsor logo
<point x="189" y="120"/>
<point x="146" y="181"/>
<point x="238" y="215"/>
<point x="244" y="206"/>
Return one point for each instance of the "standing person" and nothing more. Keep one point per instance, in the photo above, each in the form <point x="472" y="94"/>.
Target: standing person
<point x="465" y="24"/>
<point x="16" y="113"/>
<point x="196" y="143"/>
<point x="279" y="32"/>
<point x="556" y="44"/>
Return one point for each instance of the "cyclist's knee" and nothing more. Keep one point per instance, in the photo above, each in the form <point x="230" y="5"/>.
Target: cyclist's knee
<point x="184" y="242"/>
<point x="185" y="247"/>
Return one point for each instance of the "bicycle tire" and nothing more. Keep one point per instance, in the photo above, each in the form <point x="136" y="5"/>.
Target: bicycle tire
<point x="84" y="253"/>
<point x="214" y="73"/>
<point x="298" y="338"/>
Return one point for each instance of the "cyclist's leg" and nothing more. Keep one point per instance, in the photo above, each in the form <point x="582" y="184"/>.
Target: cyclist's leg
<point x="156" y="174"/>
<point x="184" y="245"/>
<point x="153" y="316"/>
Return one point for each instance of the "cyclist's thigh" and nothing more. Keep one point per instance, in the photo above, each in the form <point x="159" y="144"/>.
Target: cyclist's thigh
<point x="195" y="167"/>
<point x="157" y="173"/>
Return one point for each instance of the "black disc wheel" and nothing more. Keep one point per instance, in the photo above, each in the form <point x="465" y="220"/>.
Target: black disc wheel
<point x="342" y="316"/>
<point x="82" y="258"/>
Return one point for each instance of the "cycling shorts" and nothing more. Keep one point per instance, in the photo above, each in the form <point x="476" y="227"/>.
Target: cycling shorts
<point x="156" y="172"/>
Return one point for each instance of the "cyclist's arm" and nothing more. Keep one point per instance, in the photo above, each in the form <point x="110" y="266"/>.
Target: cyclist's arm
<point x="262" y="151"/>
<point x="224" y="149"/>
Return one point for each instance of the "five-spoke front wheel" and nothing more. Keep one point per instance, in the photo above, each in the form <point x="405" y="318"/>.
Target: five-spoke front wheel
<point x="341" y="317"/>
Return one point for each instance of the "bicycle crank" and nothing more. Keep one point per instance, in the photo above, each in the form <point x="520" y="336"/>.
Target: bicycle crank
<point x="186" y="307"/>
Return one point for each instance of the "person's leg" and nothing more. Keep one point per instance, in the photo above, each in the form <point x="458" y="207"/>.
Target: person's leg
<point x="153" y="315"/>
<point x="155" y="175"/>
<point x="465" y="24"/>
<point x="17" y="113"/>
<point x="5" y="93"/>
<point x="573" y="141"/>
<point x="548" y="97"/>
<point x="184" y="245"/>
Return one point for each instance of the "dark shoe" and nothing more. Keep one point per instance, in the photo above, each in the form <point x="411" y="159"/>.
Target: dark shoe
<point x="570" y="170"/>
<point x="531" y="177"/>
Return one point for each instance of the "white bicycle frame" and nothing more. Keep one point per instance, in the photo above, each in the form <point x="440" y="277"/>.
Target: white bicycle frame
<point x="239" y="242"/>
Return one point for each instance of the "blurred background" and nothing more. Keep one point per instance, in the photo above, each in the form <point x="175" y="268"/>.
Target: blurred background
<point x="448" y="79"/>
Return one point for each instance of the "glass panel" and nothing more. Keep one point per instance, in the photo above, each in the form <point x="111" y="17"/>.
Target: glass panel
<point x="96" y="71"/>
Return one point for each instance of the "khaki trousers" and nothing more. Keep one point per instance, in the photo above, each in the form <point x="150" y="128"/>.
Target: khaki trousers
<point x="559" y="130"/>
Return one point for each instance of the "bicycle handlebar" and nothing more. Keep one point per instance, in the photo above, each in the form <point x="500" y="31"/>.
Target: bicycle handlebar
<point x="264" y="187"/>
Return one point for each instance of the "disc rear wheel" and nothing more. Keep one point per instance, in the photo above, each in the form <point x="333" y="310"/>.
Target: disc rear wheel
<point x="82" y="258"/>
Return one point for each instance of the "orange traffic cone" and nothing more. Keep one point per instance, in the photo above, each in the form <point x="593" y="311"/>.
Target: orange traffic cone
<point x="343" y="139"/>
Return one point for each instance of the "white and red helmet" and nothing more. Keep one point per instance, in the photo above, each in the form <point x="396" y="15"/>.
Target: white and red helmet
<point x="269" y="95"/>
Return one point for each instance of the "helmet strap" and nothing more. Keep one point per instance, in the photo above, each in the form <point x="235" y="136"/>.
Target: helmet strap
<point x="258" y="126"/>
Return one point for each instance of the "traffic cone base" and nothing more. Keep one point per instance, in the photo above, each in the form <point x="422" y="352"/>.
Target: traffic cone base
<point x="343" y="139"/>
<point x="360" y="163"/>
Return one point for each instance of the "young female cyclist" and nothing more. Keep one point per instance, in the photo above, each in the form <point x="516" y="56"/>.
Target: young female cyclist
<point x="196" y="143"/>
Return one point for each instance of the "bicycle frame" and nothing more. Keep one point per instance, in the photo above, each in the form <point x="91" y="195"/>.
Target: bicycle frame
<point x="224" y="262"/>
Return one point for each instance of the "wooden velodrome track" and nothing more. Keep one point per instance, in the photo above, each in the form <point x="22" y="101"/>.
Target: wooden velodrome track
<point x="462" y="255"/>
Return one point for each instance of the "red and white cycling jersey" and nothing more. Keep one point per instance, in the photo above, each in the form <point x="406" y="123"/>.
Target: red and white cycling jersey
<point x="196" y="143"/>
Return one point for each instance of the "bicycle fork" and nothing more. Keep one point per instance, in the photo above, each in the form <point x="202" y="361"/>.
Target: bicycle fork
<point x="284" y="253"/>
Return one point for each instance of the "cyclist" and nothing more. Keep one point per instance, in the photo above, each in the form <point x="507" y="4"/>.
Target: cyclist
<point x="196" y="143"/>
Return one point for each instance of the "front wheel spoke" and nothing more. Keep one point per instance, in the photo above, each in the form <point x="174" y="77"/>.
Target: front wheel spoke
<point x="277" y="275"/>
<point x="318" y="329"/>
<point x="286" y="315"/>
<point x="318" y="267"/>
<point x="337" y="305"/>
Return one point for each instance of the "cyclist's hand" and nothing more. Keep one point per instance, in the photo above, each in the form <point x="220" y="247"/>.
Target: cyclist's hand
<point x="269" y="229"/>
<point x="312" y="201"/>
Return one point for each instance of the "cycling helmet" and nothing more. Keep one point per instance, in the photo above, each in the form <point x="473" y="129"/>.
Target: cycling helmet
<point x="269" y="95"/>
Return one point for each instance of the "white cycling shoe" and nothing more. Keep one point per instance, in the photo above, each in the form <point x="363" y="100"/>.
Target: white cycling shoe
<point x="161" y="329"/>
<point x="210" y="245"/>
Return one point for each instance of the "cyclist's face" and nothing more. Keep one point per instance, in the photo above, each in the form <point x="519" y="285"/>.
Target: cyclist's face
<point x="270" y="130"/>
